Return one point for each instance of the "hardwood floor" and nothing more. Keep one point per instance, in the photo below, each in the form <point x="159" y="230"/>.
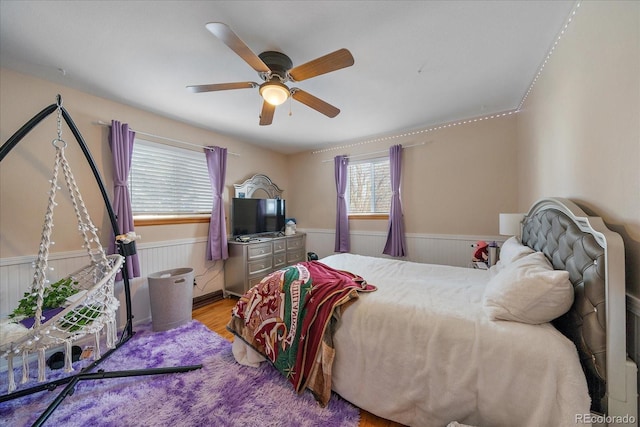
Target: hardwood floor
<point x="216" y="316"/>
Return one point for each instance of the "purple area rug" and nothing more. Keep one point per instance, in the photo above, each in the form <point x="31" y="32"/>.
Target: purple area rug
<point x="222" y="393"/>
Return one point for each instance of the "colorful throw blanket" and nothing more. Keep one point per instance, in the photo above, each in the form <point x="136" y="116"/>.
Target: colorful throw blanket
<point x="289" y="317"/>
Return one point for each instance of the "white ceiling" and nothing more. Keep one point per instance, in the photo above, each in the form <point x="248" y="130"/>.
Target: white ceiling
<point x="417" y="63"/>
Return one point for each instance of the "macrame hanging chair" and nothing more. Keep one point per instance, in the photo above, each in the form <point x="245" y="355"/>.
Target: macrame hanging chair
<point x="91" y="311"/>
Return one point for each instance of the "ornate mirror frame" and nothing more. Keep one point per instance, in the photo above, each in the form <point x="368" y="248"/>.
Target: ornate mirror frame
<point x="257" y="182"/>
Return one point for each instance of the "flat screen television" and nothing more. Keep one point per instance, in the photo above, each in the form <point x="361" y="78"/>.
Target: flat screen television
<point x="257" y="216"/>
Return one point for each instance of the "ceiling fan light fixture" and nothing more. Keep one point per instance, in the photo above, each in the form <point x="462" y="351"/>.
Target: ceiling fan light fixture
<point x="275" y="93"/>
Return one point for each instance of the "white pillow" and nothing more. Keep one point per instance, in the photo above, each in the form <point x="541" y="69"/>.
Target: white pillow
<point x="528" y="290"/>
<point x="512" y="250"/>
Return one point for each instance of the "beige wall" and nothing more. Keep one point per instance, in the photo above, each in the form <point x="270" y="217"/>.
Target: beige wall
<point x="578" y="136"/>
<point x="457" y="183"/>
<point x="27" y="168"/>
<point x="579" y="130"/>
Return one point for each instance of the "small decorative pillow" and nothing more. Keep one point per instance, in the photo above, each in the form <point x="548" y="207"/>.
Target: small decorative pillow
<point x="512" y="250"/>
<point x="528" y="290"/>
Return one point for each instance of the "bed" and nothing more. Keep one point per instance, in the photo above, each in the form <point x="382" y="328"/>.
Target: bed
<point x="431" y="346"/>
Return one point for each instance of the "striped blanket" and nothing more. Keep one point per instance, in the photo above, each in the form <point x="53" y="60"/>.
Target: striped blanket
<point x="289" y="317"/>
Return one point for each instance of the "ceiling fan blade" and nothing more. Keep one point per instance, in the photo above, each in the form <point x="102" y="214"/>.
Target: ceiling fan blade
<point x="316" y="103"/>
<point x="221" y="86"/>
<point x="228" y="37"/>
<point x="331" y="62"/>
<point x="266" y="116"/>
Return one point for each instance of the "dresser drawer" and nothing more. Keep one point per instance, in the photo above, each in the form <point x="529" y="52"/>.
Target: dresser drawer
<point x="254" y="281"/>
<point x="250" y="262"/>
<point x="279" y="246"/>
<point x="260" y="266"/>
<point x="295" y="256"/>
<point x="259" y="250"/>
<point x="295" y="243"/>
<point x="279" y="260"/>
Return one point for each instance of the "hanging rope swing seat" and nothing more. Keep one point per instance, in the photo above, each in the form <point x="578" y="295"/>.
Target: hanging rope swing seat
<point x="88" y="306"/>
<point x="91" y="306"/>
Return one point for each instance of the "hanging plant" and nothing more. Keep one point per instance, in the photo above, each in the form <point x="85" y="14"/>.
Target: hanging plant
<point x="54" y="296"/>
<point x="80" y="317"/>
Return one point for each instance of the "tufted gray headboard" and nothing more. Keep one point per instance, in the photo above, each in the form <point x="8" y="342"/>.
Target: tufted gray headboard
<point x="594" y="258"/>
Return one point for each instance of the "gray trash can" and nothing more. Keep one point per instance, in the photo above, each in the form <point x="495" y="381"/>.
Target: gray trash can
<point x="171" y="298"/>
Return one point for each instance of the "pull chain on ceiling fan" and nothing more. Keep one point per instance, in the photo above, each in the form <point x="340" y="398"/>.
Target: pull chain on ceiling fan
<point x="276" y="69"/>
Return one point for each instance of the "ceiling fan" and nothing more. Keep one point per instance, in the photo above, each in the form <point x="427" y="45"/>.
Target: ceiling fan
<point x="276" y="69"/>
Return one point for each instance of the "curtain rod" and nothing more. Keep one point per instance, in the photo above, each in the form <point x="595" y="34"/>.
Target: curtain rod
<point x="101" y="123"/>
<point x="378" y="152"/>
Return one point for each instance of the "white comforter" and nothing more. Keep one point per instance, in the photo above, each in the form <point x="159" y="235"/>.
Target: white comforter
<point x="421" y="351"/>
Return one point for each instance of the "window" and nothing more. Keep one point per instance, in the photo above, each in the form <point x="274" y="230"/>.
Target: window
<point x="168" y="181"/>
<point x="369" y="187"/>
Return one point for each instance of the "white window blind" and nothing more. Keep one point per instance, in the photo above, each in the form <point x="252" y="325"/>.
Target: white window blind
<point x="369" y="187"/>
<point x="166" y="180"/>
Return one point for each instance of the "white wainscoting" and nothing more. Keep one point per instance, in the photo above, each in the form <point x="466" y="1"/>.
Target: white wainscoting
<point x="425" y="248"/>
<point x="16" y="274"/>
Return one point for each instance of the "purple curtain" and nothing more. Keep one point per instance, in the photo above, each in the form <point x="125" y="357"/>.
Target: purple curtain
<point x="342" y="220"/>
<point x="217" y="165"/>
<point x="121" y="143"/>
<point x="395" y="245"/>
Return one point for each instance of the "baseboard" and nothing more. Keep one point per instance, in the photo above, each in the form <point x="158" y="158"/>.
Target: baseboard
<point x="207" y="299"/>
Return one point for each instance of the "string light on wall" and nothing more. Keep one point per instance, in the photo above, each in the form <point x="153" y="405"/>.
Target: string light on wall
<point x="546" y="59"/>
<point x="417" y="132"/>
<point x="462" y="122"/>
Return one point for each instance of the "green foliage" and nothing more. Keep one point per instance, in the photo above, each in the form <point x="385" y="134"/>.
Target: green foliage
<point x="80" y="317"/>
<point x="54" y="296"/>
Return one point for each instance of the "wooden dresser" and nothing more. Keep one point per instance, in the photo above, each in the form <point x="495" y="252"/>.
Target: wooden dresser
<point x="249" y="262"/>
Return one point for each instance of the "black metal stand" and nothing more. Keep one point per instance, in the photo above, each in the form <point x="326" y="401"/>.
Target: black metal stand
<point x="123" y="249"/>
